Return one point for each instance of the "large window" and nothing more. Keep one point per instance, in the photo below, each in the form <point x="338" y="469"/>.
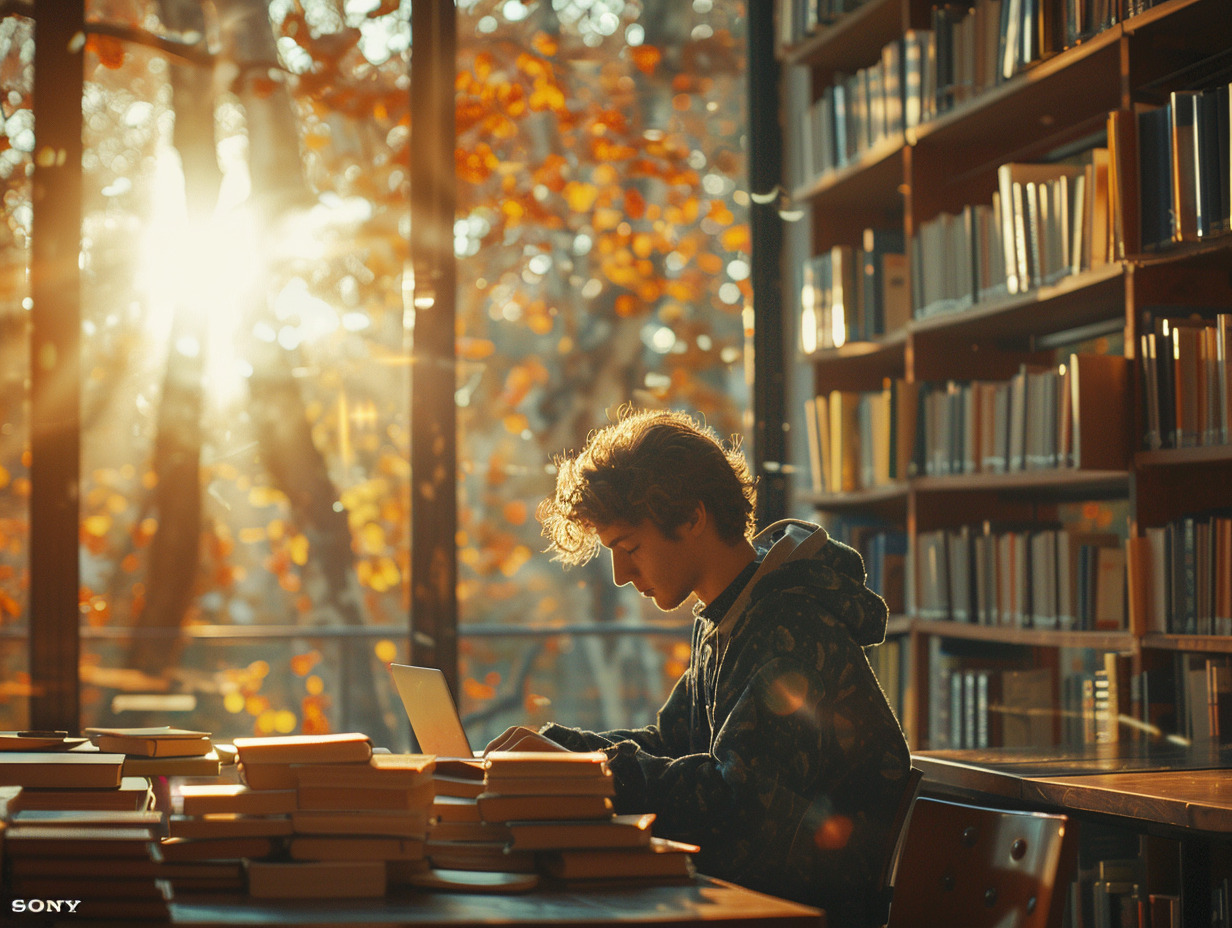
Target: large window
<point x="247" y="330"/>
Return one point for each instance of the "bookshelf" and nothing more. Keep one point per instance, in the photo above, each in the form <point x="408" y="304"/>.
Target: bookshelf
<point x="1022" y="186"/>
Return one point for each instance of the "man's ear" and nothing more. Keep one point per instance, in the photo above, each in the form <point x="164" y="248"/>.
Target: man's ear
<point x="698" y="521"/>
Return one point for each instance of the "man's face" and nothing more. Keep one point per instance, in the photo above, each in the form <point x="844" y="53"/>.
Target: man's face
<point x="661" y="567"/>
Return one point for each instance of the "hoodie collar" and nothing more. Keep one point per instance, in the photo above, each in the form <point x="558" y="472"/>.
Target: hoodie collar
<point x="782" y="541"/>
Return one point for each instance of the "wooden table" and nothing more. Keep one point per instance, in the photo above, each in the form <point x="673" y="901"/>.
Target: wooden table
<point x="1166" y="784"/>
<point x="705" y="901"/>
<point x="1183" y="792"/>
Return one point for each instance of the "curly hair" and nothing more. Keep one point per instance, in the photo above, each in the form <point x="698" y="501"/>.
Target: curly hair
<point x="648" y="464"/>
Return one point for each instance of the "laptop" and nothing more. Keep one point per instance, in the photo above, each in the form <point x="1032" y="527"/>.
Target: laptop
<point x="430" y="707"/>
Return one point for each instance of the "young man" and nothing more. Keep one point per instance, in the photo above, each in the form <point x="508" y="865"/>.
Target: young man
<point x="776" y="752"/>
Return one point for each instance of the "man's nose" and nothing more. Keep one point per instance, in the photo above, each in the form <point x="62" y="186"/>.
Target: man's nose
<point x="622" y="573"/>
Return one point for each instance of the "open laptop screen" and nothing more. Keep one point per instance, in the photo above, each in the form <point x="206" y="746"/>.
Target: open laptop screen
<point x="432" y="712"/>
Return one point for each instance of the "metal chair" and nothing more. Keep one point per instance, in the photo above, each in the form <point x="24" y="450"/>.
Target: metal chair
<point x="978" y="867"/>
<point x="897" y="836"/>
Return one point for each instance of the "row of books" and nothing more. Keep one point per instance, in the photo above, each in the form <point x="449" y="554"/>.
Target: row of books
<point x="1180" y="575"/>
<point x="884" y="550"/>
<point x="855" y="294"/>
<point x="856" y="113"/>
<point x="967" y="49"/>
<point x="1038" y="578"/>
<point x="1045" y="221"/>
<point x="979" y="707"/>
<point x="1041" y="418"/>
<point x="1183" y="156"/>
<point x="1186" y="366"/>
<point x="796" y="20"/>
<point x="860" y="440"/>
<point x="1070" y="20"/>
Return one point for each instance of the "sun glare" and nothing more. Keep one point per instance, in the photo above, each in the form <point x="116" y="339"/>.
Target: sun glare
<point x="198" y="274"/>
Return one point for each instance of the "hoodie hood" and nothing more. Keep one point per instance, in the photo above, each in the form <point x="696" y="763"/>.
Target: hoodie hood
<point x="801" y="556"/>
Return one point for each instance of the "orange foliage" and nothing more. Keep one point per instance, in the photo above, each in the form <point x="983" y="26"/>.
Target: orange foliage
<point x="301" y="664"/>
<point x="544" y="44"/>
<point x="110" y="50"/>
<point x="737" y="239"/>
<point x="646" y="58"/>
<point x="473" y="689"/>
<point x="626" y="305"/>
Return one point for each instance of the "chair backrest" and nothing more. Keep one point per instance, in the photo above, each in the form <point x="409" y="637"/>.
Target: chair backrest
<point x="896" y="838"/>
<point x="980" y="867"/>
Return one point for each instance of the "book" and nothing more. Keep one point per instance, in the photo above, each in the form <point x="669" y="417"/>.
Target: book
<point x="1028" y="707"/>
<point x="92" y="818"/>
<point x="632" y="830"/>
<point x="354" y="847"/>
<point x="556" y="786"/>
<point x="496" y="808"/>
<point x="1100" y="420"/>
<point x="662" y="858"/>
<point x="38" y="741"/>
<point x="409" y="824"/>
<point x="1184" y="142"/>
<point x="455" y="809"/>
<point x="382" y="771"/>
<point x="468" y="831"/>
<point x="342" y="747"/>
<point x="133" y="793"/>
<point x="181" y="850"/>
<point x="1157" y="222"/>
<point x="334" y="879"/>
<point x="77" y="841"/>
<point x="340" y="798"/>
<point x="228" y="825"/>
<point x="202" y="869"/>
<point x="51" y="769"/>
<point x="268" y="776"/>
<point x="201" y="798"/>
<point x="546" y="763"/>
<point x="200" y="765"/>
<point x="457" y="787"/>
<point x="163" y="741"/>
<point x="88" y="888"/>
<point x="77" y="866"/>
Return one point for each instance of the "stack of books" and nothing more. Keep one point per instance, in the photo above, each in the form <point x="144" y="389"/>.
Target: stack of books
<point x="75" y="777"/>
<point x="458" y="839"/>
<point x="557" y="808"/>
<point x="376" y="811"/>
<point x="94" y="865"/>
<point x="159" y="751"/>
<point x="356" y="815"/>
<point x="231" y="826"/>
<point x="218" y="808"/>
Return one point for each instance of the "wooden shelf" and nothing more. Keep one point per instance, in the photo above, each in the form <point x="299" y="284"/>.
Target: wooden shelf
<point x="891" y="497"/>
<point x="1032" y="637"/>
<point x="873" y="181"/>
<point x="861" y="365"/>
<point x="1055" y="483"/>
<point x="1208" y="644"/>
<point x="850" y="42"/>
<point x="1181" y="457"/>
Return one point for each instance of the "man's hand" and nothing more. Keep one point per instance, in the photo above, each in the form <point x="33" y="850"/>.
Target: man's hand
<point x="521" y="738"/>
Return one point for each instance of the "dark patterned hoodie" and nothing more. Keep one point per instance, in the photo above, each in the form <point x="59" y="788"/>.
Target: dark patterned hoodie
<point x="776" y="752"/>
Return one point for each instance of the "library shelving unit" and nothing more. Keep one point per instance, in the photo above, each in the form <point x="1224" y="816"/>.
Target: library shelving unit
<point x="900" y="115"/>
